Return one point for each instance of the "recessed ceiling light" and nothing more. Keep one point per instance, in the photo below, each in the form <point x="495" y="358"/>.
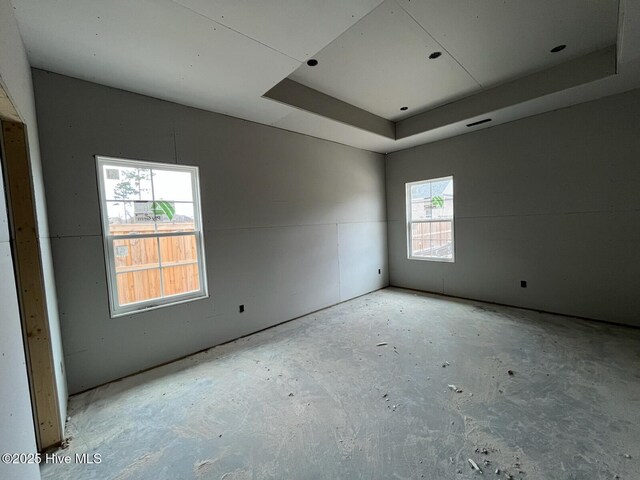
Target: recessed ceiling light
<point x="312" y="62"/>
<point x="557" y="49"/>
<point x="404" y="108"/>
<point x="478" y="122"/>
<point x="435" y="55"/>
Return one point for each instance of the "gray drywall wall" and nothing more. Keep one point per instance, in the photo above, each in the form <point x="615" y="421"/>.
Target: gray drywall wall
<point x="551" y="199"/>
<point x="17" y="432"/>
<point x="292" y="223"/>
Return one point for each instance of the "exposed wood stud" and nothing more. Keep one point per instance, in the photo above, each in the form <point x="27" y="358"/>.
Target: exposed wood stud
<point x="30" y="279"/>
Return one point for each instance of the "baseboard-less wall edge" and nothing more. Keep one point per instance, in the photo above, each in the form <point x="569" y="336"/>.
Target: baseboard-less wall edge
<point x="224" y="343"/>
<point x="519" y="307"/>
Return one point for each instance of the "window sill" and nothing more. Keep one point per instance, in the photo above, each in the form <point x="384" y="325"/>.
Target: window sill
<point x="155" y="306"/>
<point x="432" y="259"/>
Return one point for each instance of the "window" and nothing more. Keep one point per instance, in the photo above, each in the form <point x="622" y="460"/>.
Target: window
<point x="430" y="219"/>
<point x="152" y="228"/>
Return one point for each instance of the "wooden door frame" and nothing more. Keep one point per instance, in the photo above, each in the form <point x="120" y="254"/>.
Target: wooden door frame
<point x="26" y="254"/>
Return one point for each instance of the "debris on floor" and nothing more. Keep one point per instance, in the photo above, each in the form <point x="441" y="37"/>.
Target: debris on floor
<point x="203" y="464"/>
<point x="474" y="466"/>
<point x="381" y="344"/>
<point x="222" y="399"/>
<point x="65" y="443"/>
<point x="510" y="372"/>
<point x="455" y="389"/>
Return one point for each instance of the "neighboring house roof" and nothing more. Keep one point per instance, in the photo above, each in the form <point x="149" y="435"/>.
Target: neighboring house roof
<point x="433" y="189"/>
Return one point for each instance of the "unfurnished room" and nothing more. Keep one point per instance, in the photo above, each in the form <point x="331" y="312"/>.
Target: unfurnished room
<point x="319" y="239"/>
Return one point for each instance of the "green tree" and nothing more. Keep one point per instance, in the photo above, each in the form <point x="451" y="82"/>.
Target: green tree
<point x="130" y="185"/>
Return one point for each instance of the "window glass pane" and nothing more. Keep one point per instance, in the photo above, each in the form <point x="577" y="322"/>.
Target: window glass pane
<point x="172" y="186"/>
<point x="126" y="183"/>
<point x="179" y="249"/>
<point x="131" y="217"/>
<point x="138" y="286"/>
<point x="180" y="272"/>
<point x="181" y="279"/>
<point x="432" y="240"/>
<point x="420" y="201"/>
<point x="174" y="216"/>
<point x="135" y="253"/>
<point x="441" y="201"/>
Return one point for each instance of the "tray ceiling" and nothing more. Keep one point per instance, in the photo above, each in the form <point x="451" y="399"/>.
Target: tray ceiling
<point x="225" y="55"/>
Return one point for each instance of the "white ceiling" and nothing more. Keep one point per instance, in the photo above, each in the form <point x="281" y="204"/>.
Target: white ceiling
<point x="382" y="64"/>
<point x="498" y="40"/>
<point x="223" y="55"/>
<point x="298" y="28"/>
<point x="179" y="51"/>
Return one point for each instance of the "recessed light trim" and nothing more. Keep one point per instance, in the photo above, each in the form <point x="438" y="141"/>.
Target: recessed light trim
<point x="479" y="122"/>
<point x="404" y="108"/>
<point x="312" y="62"/>
<point x="558" y="48"/>
<point x="435" y="55"/>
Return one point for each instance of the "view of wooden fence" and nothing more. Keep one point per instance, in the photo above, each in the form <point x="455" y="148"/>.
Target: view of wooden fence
<point x="428" y="237"/>
<point x="149" y="268"/>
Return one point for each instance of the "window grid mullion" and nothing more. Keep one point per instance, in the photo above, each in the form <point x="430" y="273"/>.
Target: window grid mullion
<point x="160" y="265"/>
<point x="153" y="201"/>
<point x="153" y="235"/>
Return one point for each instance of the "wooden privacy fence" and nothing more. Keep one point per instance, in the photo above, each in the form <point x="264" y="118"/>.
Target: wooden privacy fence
<point x="428" y="237"/>
<point x="149" y="268"/>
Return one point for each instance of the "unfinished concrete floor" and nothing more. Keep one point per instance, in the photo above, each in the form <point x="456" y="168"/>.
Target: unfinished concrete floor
<point x="317" y="399"/>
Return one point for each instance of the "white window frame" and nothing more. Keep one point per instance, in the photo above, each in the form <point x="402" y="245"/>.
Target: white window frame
<point x="116" y="309"/>
<point x="410" y="221"/>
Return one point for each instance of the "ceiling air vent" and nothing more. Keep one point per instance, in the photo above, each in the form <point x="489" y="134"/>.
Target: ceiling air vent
<point x="478" y="122"/>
